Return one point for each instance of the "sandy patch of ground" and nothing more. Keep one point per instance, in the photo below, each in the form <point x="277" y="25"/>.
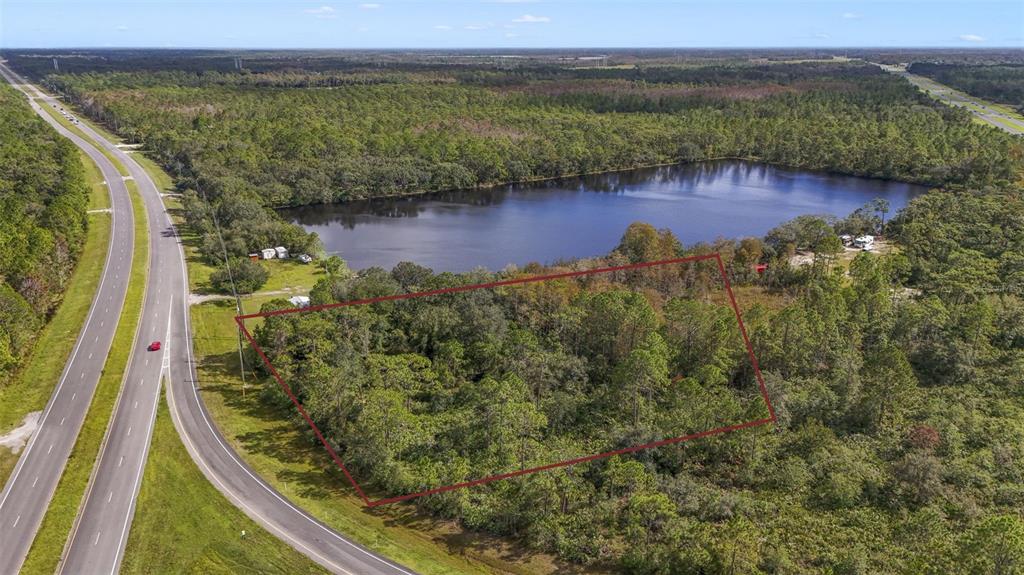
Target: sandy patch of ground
<point x="19" y="436"/>
<point x="197" y="298"/>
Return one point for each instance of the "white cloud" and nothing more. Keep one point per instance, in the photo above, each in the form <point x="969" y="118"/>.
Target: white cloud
<point x="511" y="35"/>
<point x="369" y="6"/>
<point x="442" y="27"/>
<point x="121" y="28"/>
<point x="821" y="35"/>
<point x="476" y="26"/>
<point x="325" y="12"/>
<point x="972" y="38"/>
<point x="531" y="19"/>
<point x="851" y="16"/>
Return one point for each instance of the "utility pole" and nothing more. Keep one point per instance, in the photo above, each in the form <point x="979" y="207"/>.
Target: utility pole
<point x="234" y="292"/>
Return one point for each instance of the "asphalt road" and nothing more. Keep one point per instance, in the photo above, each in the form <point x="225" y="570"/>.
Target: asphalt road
<point x="100" y="532"/>
<point x="30" y="487"/>
<point x="981" y="109"/>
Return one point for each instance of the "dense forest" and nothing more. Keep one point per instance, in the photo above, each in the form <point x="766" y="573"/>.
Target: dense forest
<point x="896" y="377"/>
<point x="998" y="83"/>
<point x="43" y="198"/>
<point x="239" y="142"/>
<point x="897" y="384"/>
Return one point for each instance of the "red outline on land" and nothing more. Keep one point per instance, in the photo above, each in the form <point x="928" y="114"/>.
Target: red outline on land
<point x="240" y="320"/>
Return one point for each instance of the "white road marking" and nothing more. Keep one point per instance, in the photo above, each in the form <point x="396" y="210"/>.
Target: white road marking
<point x="50" y="449"/>
<point x="16" y="520"/>
<point x="97" y="539"/>
<point x="120" y="462"/>
<point x="82" y="376"/>
<point x="35" y="481"/>
<point x="90" y="355"/>
<point x="129" y="434"/>
<point x="74" y="395"/>
<point x="136" y="406"/>
<point x="62" y="421"/>
<point x="110" y="496"/>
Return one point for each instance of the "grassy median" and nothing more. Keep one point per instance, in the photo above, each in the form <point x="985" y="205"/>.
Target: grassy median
<point x="31" y="388"/>
<point x="53" y="533"/>
<point x="56" y="115"/>
<point x="206" y="533"/>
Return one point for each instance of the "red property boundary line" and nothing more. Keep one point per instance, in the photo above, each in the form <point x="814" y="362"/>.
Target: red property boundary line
<point x="240" y="320"/>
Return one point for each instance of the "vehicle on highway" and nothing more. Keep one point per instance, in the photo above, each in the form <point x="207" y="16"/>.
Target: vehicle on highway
<point x="155" y="346"/>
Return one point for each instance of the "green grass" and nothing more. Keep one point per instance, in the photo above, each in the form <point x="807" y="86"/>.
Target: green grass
<point x="49" y="541"/>
<point x="56" y="115"/>
<point x="205" y="535"/>
<point x="99" y="198"/>
<point x="31" y="388"/>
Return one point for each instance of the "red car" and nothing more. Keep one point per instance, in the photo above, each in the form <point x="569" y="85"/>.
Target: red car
<point x="155" y="346"/>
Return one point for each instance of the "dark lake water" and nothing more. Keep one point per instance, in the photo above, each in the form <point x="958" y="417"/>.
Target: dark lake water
<point x="580" y="217"/>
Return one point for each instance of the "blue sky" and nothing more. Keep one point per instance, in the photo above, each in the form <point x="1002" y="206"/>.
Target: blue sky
<point x="509" y="23"/>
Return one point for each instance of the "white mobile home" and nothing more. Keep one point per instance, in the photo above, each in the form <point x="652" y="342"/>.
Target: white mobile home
<point x="864" y="242"/>
<point x="282" y="252"/>
<point x="268" y="254"/>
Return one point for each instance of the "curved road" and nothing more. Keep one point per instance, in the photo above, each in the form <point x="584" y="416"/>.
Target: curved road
<point x="30" y="487"/>
<point x="100" y="532"/>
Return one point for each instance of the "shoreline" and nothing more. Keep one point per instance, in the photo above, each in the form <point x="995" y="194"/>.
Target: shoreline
<point x="491" y="186"/>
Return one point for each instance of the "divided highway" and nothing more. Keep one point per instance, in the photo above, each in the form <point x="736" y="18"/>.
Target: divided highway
<point x="30" y="487"/>
<point x="100" y="533"/>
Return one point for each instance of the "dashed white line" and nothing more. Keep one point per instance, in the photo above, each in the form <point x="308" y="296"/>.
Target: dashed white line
<point x="74" y="395"/>
<point x="36" y="480"/>
<point x="129" y="434"/>
<point x="50" y="449"/>
<point x="16" y="520"/>
<point x="110" y="496"/>
<point x="97" y="539"/>
<point x="61" y="422"/>
<point x="136" y="406"/>
<point x="120" y="462"/>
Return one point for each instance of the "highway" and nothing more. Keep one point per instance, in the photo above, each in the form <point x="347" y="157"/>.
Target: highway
<point x="982" y="109"/>
<point x="102" y="527"/>
<point x="30" y="487"/>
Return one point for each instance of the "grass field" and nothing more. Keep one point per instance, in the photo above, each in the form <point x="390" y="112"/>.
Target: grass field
<point x="206" y="534"/>
<point x="32" y="387"/>
<point x="53" y="533"/>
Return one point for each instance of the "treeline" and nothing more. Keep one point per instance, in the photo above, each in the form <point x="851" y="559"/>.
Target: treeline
<point x="896" y="384"/>
<point x="998" y="83"/>
<point x="43" y="198"/>
<point x="285" y="147"/>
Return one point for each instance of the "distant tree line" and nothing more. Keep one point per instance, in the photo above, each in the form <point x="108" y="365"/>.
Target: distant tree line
<point x="999" y="83"/>
<point x="244" y="146"/>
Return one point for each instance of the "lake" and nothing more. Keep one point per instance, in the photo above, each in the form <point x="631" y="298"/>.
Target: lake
<point x="584" y="216"/>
